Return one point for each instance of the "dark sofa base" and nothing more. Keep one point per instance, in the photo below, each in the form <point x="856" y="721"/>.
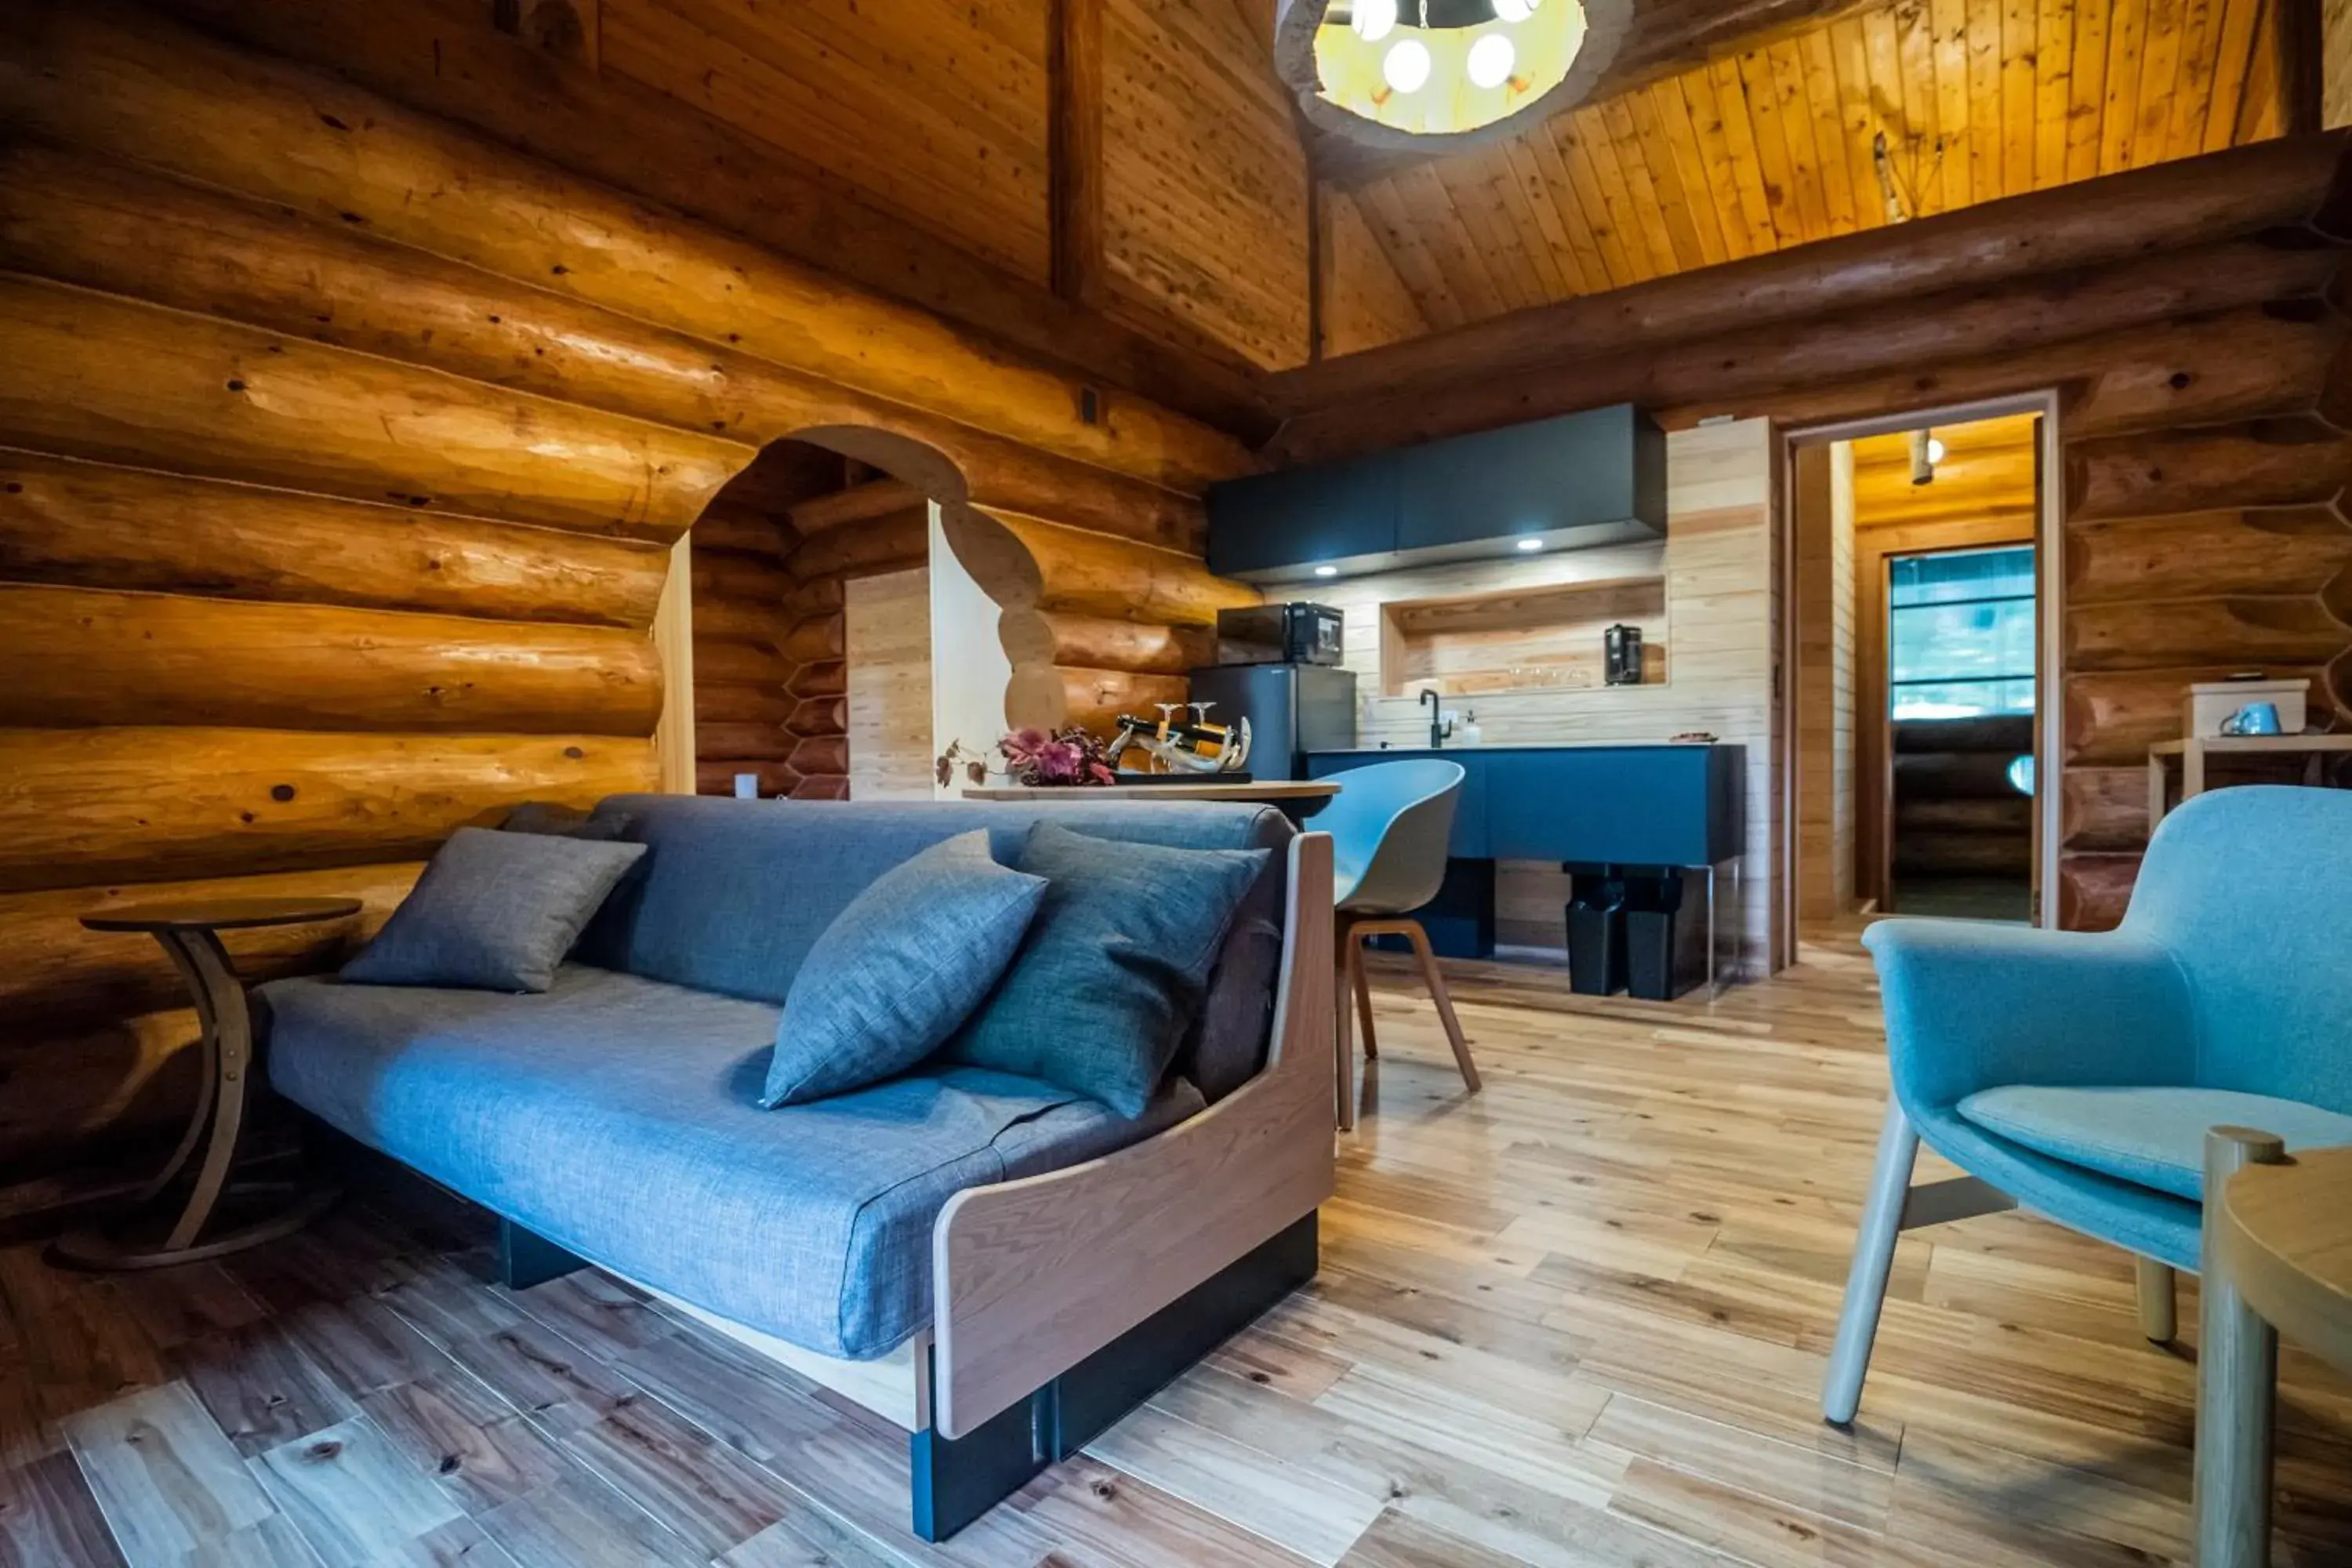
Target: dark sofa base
<point x="956" y="1481"/>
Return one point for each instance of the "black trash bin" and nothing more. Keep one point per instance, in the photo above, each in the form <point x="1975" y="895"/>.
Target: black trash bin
<point x="1596" y="930"/>
<point x="1665" y="933"/>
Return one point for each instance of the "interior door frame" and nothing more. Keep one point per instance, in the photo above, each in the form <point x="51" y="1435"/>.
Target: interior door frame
<point x="2050" y="618"/>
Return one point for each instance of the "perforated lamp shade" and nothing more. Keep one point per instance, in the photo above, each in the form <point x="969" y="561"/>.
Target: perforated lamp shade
<point x="1557" y="53"/>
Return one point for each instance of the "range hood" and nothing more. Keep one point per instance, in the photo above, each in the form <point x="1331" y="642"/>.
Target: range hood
<point x="1594" y="477"/>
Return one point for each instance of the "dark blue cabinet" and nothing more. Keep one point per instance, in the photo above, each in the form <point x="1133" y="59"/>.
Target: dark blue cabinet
<point x="1342" y="514"/>
<point x="1581" y="479"/>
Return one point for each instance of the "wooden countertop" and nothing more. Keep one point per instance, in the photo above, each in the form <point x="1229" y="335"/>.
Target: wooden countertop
<point x="1270" y="790"/>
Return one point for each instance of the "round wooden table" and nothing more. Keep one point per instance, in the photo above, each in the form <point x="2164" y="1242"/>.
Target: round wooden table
<point x="2278" y="1260"/>
<point x="190" y="933"/>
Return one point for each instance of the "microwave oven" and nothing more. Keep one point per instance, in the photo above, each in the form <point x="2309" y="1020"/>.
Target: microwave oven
<point x="1279" y="633"/>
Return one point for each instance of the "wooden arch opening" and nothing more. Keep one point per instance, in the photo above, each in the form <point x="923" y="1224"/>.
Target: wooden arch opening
<point x="773" y="564"/>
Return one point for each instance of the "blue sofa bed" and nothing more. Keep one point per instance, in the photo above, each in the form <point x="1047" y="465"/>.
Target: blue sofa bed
<point x="615" y="1119"/>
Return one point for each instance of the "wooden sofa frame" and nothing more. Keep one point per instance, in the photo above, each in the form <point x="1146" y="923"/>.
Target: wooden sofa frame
<point x="1062" y="1300"/>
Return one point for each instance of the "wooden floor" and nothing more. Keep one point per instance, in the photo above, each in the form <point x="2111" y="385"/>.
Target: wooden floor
<point x="1578" y="1320"/>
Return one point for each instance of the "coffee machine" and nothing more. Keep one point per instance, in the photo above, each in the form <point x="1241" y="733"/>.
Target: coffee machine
<point x="1621" y="645"/>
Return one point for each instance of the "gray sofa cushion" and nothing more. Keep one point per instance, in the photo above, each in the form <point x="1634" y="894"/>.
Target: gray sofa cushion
<point x="1113" y="969"/>
<point x="619" y="1118"/>
<point x="735" y="892"/>
<point x="899" y="969"/>
<point x="494" y="911"/>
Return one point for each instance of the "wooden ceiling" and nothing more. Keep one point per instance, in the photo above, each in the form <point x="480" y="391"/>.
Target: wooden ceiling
<point x="1772" y="142"/>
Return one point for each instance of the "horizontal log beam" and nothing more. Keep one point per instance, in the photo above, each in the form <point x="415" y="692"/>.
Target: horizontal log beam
<point x="170" y="804"/>
<point x="1778" y="361"/>
<point x="731" y="574"/>
<point x="63" y="976"/>
<point x="2242" y="363"/>
<point x="720" y="619"/>
<point x="2288" y="550"/>
<point x="2093" y="890"/>
<point x="100" y="1083"/>
<point x="1023" y="564"/>
<point x="91" y="525"/>
<point x="739" y="530"/>
<point x="2205" y="470"/>
<point x="2170" y="206"/>
<point x="859" y="504"/>
<point x="137" y="86"/>
<point x="819" y="756"/>
<point x="752" y="742"/>
<point x="70" y="215"/>
<point x="721" y="704"/>
<point x="821" y="678"/>
<point x="2253" y="630"/>
<point x="1048" y="697"/>
<point x="2103" y="809"/>
<point x="822" y="786"/>
<point x="740" y="664"/>
<point x="817" y="639"/>
<point x="819" y="716"/>
<point x="437" y="54"/>
<point x="891" y="543"/>
<point x="1094" y="642"/>
<point x="72" y="658"/>
<point x="820" y="596"/>
<point x="90" y="375"/>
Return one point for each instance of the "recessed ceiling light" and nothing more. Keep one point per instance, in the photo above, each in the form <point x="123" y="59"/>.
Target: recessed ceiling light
<point x="1531" y="545"/>
<point x="1327" y="571"/>
<point x="1406" y="69"/>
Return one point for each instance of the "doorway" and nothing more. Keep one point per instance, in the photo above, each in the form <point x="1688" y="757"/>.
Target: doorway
<point x="1920" y="661"/>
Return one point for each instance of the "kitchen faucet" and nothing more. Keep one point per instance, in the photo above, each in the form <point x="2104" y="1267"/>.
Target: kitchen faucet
<point x="1438" y="730"/>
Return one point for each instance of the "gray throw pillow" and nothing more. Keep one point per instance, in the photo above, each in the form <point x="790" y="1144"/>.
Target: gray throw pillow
<point x="1115" y="968"/>
<point x="899" y="969"/>
<point x="494" y="911"/>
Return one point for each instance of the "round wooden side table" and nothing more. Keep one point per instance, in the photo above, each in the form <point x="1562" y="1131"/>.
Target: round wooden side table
<point x="2278" y="1260"/>
<point x="190" y="933"/>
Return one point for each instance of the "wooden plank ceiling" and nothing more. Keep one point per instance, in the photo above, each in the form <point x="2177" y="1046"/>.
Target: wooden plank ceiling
<point x="1774" y="143"/>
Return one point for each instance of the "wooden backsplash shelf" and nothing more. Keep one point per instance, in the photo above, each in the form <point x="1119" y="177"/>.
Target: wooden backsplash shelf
<point x="1518" y="638"/>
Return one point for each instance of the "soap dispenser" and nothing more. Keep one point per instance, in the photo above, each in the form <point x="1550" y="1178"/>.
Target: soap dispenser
<point x="1471" y="734"/>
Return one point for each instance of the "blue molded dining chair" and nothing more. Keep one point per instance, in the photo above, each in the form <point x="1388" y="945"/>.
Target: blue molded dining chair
<point x="2075" y="1074"/>
<point x="1390" y="825"/>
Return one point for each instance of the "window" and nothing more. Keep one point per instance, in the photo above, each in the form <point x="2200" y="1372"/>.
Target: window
<point x="1960" y="633"/>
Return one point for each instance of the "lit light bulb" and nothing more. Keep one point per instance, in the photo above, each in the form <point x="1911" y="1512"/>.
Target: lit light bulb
<point x="1531" y="545"/>
<point x="1514" y="10"/>
<point x="1491" y="58"/>
<point x="1934" y="450"/>
<point x="1406" y="69"/>
<point x="1375" y="19"/>
<point x="1327" y="571"/>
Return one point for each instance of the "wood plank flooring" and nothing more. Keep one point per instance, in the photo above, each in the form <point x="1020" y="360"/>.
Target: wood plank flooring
<point x="1579" y="1320"/>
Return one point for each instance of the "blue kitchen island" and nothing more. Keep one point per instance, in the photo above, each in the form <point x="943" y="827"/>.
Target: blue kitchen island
<point x="1651" y="810"/>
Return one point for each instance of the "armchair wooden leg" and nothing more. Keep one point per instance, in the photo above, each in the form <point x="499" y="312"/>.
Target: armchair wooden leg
<point x="1873" y="1260"/>
<point x="2156" y="1294"/>
<point x="1343" y="1041"/>
<point x="1444" y="1000"/>
<point x="1363" y="999"/>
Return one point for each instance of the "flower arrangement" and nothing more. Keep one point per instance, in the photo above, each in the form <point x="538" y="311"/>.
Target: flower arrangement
<point x="1071" y="758"/>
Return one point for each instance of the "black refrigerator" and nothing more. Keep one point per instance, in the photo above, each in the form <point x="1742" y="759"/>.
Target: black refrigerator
<point x="1292" y="709"/>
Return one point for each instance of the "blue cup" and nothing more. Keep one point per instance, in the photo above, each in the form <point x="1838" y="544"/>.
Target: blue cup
<point x="2254" y="719"/>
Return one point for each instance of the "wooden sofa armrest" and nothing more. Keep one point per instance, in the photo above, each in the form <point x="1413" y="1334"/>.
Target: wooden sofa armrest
<point x="1033" y="1276"/>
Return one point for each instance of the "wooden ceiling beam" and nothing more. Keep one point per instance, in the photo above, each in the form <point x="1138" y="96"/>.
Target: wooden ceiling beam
<point x="1666" y="37"/>
<point x="1074" y="155"/>
<point x="2273" y="185"/>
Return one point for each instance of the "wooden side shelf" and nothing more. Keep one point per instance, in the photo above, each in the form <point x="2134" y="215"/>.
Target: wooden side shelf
<point x="1518" y="638"/>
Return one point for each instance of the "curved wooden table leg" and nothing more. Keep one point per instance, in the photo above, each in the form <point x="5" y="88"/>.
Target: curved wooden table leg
<point x="207" y="1086"/>
<point x="232" y="1033"/>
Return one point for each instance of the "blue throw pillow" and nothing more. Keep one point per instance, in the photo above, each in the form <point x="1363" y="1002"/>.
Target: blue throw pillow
<point x="494" y="911"/>
<point x="1116" y="967"/>
<point x="899" y="969"/>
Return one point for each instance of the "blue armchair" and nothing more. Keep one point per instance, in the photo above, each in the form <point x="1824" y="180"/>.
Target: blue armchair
<point x="2076" y="1073"/>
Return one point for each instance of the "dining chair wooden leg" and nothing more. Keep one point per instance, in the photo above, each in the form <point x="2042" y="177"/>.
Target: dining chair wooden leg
<point x="1343" y="1042"/>
<point x="2157" y="1293"/>
<point x="1363" y="999"/>
<point x="1444" y="1000"/>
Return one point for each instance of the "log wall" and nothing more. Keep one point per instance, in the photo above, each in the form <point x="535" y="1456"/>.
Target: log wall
<point x="342" y="451"/>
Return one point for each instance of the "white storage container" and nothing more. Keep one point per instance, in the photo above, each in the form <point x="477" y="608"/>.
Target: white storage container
<point x="2210" y="701"/>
